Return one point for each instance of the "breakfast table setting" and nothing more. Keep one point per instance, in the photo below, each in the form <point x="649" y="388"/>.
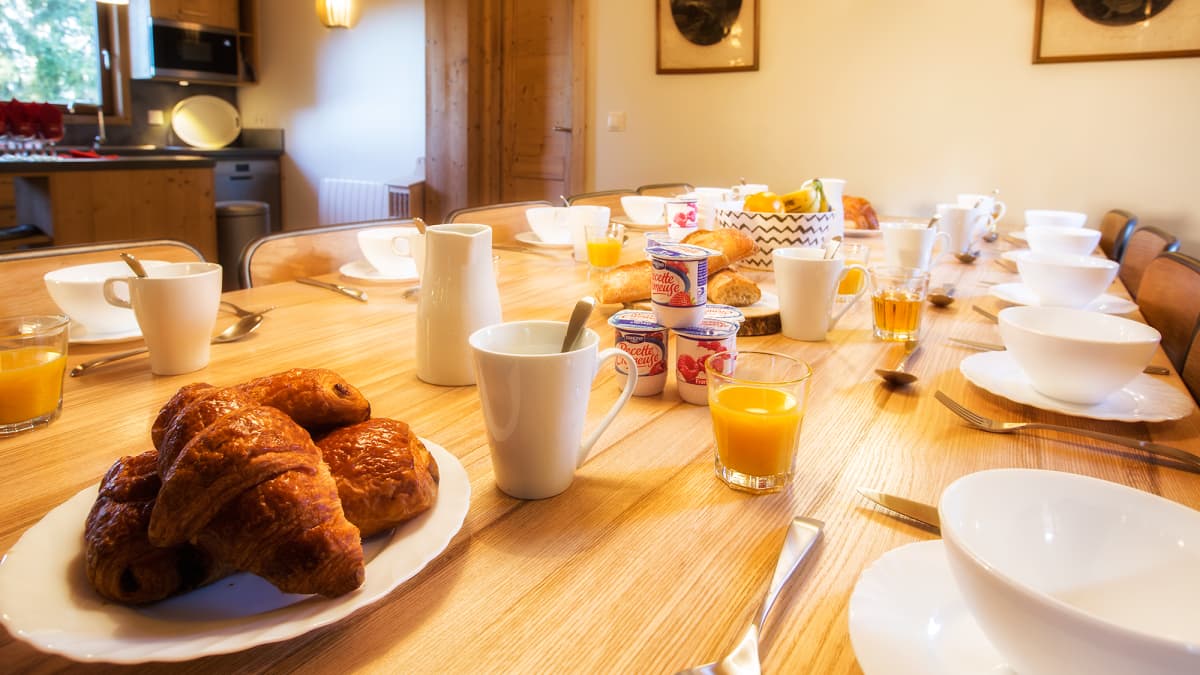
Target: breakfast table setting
<point x="642" y="559"/>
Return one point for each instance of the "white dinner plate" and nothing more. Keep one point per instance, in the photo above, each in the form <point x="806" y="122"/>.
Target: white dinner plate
<point x="531" y="239"/>
<point x="79" y="335"/>
<point x="1145" y="399"/>
<point x="855" y="233"/>
<point x="907" y="617"/>
<point x="1020" y="294"/>
<point x="46" y="600"/>
<point x="362" y="270"/>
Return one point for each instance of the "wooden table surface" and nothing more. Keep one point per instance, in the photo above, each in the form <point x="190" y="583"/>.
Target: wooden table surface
<point x="647" y="563"/>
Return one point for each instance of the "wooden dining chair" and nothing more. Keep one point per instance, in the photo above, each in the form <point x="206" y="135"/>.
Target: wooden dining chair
<point x="506" y="219"/>
<point x="609" y="198"/>
<point x="1191" y="365"/>
<point x="1169" y="299"/>
<point x="284" y="256"/>
<point x="1115" y="228"/>
<point x="664" y="189"/>
<point x="21" y="271"/>
<point x="1144" y="245"/>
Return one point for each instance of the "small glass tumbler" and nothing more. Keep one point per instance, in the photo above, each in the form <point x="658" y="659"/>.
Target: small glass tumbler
<point x="897" y="302"/>
<point x="757" y="402"/>
<point x="855" y="280"/>
<point x="33" y="359"/>
<point x="604" y="245"/>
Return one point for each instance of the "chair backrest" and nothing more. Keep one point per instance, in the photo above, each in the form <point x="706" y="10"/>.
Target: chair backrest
<point x="21" y="271"/>
<point x="507" y="219"/>
<point x="609" y="198"/>
<point x="1143" y="246"/>
<point x="284" y="256"/>
<point x="1170" y="301"/>
<point x="665" y="189"/>
<point x="1191" y="366"/>
<point x="1115" y="228"/>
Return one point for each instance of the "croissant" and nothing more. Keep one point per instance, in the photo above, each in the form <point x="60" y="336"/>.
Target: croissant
<point x="315" y="398"/>
<point x="384" y="473"/>
<point x="859" y="214"/>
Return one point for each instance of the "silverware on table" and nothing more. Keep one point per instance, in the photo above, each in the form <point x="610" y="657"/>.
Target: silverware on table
<point x="990" y="317"/>
<point x="925" y="514"/>
<point x="355" y="293"/>
<point x="1006" y="264"/>
<point x="901" y="375"/>
<point x="242" y="311"/>
<point x="992" y="347"/>
<point x="238" y="330"/>
<point x="801" y="535"/>
<point x="989" y="425"/>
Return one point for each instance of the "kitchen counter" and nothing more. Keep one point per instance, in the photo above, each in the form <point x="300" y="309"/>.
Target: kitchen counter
<point x="149" y="161"/>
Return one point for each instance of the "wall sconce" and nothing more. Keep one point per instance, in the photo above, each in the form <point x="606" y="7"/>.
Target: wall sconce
<point x="334" y="13"/>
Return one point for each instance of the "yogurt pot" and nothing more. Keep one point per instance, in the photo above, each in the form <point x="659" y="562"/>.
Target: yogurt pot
<point x="693" y="346"/>
<point x="725" y="313"/>
<point x="640" y="335"/>
<point x="679" y="283"/>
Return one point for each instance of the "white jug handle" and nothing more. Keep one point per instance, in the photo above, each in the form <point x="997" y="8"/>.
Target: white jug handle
<point x="630" y="383"/>
<point x="112" y="297"/>
<point x="863" y="289"/>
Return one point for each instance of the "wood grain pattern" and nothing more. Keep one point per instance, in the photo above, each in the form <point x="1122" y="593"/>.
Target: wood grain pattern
<point x="647" y="563"/>
<point x="304" y="253"/>
<point x="1143" y="245"/>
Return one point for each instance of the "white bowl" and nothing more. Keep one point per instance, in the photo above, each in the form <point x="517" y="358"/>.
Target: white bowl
<point x="550" y="223"/>
<point x="1070" y="574"/>
<point x="1059" y="239"/>
<point x="1061" y="280"/>
<point x="778" y="230"/>
<point x="645" y="209"/>
<point x="1074" y="355"/>
<point x="78" y="292"/>
<point x="1043" y="217"/>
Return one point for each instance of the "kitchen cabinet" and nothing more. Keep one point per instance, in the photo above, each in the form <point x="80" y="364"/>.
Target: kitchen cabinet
<point x="223" y="13"/>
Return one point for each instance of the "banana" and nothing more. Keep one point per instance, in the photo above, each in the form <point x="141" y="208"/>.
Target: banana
<point x="805" y="200"/>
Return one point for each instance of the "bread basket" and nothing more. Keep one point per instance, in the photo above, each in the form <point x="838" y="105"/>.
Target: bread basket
<point x="779" y="230"/>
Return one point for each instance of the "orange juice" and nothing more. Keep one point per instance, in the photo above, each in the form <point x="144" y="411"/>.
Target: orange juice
<point x="604" y="252"/>
<point x="756" y="428"/>
<point x="30" y="383"/>
<point x="852" y="283"/>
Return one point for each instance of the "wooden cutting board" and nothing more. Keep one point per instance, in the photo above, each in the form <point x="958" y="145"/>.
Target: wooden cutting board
<point x="762" y="318"/>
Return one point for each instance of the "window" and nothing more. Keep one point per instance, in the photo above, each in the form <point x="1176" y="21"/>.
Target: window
<point x="60" y="51"/>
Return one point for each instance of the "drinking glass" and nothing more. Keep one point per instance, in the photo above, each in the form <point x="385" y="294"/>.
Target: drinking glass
<point x="604" y="245"/>
<point x="757" y="402"/>
<point x="33" y="358"/>
<point x="855" y="280"/>
<point x="897" y="299"/>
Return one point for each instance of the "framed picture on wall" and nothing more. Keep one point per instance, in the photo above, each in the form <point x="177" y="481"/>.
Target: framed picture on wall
<point x="707" y="36"/>
<point x="1109" y="30"/>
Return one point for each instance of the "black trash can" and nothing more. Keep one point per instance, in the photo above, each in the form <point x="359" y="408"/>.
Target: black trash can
<point x="238" y="224"/>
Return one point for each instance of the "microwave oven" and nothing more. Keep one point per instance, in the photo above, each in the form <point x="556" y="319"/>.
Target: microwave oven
<point x="176" y="50"/>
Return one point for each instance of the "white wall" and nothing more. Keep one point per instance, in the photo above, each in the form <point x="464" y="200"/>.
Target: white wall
<point x="912" y="102"/>
<point x="351" y="101"/>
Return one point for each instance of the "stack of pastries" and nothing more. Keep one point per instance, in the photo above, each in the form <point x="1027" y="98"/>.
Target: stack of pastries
<point x="281" y="476"/>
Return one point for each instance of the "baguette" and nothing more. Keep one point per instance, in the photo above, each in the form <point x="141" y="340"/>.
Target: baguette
<point x="625" y="283"/>
<point x="732" y="245"/>
<point x="727" y="287"/>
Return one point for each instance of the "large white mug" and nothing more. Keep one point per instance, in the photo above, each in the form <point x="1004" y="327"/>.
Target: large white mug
<point x="176" y="308"/>
<point x="911" y="244"/>
<point x="397" y="252"/>
<point x="964" y="224"/>
<point x="535" y="397"/>
<point x="994" y="207"/>
<point x="806" y="282"/>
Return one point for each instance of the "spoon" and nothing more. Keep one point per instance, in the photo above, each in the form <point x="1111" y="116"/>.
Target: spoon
<point x="419" y="223"/>
<point x="565" y="201"/>
<point x="942" y="296"/>
<point x="579" y="316"/>
<point x="967" y="256"/>
<point x="899" y="376"/>
<point x="236" y="331"/>
<point x="992" y="234"/>
<point x="134" y="264"/>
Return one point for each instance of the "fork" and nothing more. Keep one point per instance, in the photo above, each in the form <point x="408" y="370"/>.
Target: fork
<point x="982" y="423"/>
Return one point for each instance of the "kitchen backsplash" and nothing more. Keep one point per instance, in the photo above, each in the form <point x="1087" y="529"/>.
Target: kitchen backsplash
<point x="147" y="95"/>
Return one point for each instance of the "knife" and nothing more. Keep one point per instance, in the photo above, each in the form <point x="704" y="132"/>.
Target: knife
<point x="361" y="296"/>
<point x="925" y="514"/>
<point x="989" y="347"/>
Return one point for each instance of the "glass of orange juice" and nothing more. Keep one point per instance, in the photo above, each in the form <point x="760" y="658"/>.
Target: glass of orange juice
<point x="604" y="245"/>
<point x="897" y="300"/>
<point x="757" y="401"/>
<point x="854" y="280"/>
<point x="33" y="358"/>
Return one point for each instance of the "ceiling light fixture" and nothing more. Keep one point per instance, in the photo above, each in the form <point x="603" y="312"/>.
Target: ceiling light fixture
<point x="334" y="13"/>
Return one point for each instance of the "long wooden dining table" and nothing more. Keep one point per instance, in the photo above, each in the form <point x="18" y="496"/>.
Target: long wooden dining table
<point x="648" y="563"/>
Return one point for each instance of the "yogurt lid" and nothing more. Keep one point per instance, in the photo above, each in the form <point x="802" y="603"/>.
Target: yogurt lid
<point x="680" y="252"/>
<point x="635" y="320"/>
<point x="708" y="328"/>
<point x="725" y="312"/>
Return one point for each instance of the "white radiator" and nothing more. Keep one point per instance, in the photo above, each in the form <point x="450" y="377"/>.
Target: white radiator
<point x="342" y="200"/>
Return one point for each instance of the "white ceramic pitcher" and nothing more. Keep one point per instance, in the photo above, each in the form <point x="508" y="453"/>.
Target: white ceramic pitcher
<point x="458" y="297"/>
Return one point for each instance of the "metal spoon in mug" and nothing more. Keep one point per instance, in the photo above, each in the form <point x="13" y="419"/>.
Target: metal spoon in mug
<point x="992" y="233"/>
<point x="134" y="264"/>
<point x="579" y="316"/>
<point x="942" y="296"/>
<point x="899" y="376"/>
<point x="236" y="331"/>
<point x="419" y="223"/>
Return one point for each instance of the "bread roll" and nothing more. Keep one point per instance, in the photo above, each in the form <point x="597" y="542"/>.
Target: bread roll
<point x="732" y="244"/>
<point x="727" y="287"/>
<point x="627" y="283"/>
<point x="860" y="215"/>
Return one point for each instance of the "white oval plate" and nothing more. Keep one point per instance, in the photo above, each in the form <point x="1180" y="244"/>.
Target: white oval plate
<point x="531" y="239"/>
<point x="1020" y="294"/>
<point x="46" y="600"/>
<point x="633" y="226"/>
<point x="206" y="122"/>
<point x="81" y="336"/>
<point x="1144" y="399"/>
<point x="362" y="270"/>
<point x="908" y="618"/>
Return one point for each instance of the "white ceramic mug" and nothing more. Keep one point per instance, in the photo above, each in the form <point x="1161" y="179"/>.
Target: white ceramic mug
<point x="994" y="207"/>
<point x="964" y="224"/>
<point x="911" y="244"/>
<point x="534" y="400"/>
<point x="806" y="283"/>
<point x="176" y="308"/>
<point x="579" y="217"/>
<point x="78" y="291"/>
<point x="397" y="252"/>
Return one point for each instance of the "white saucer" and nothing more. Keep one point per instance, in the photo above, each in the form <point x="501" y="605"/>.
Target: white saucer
<point x="1020" y="294"/>
<point x="1144" y="399"/>
<point x="531" y="239"/>
<point x="79" y="335"/>
<point x="908" y="618"/>
<point x="635" y="226"/>
<point x="862" y="234"/>
<point x="363" y="271"/>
